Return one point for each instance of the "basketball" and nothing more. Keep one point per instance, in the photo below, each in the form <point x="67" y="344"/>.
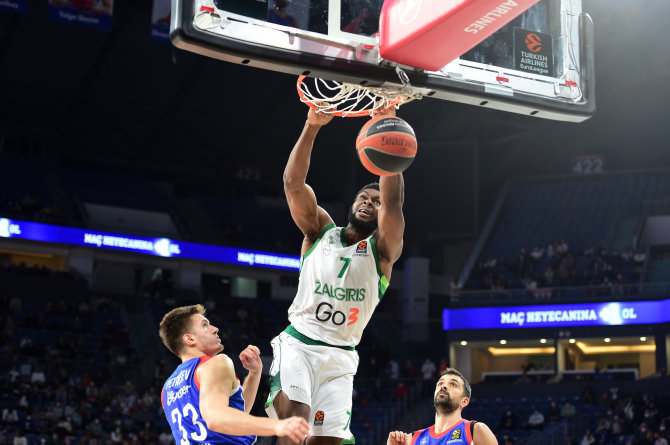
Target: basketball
<point x="386" y="145"/>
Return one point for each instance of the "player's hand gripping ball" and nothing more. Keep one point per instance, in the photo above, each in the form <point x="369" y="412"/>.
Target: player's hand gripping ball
<point x="386" y="145"/>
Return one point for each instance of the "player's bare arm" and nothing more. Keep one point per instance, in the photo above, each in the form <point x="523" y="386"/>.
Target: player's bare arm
<point x="483" y="435"/>
<point x="308" y="216"/>
<point x="251" y="361"/>
<point x="391" y="225"/>
<point x="217" y="378"/>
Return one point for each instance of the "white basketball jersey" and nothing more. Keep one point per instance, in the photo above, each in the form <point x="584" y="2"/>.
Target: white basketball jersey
<point x="339" y="289"/>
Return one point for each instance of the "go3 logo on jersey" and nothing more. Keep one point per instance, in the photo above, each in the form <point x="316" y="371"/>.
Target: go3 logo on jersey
<point x="325" y="313"/>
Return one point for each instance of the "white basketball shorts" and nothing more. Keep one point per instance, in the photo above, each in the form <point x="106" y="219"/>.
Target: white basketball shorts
<point x="319" y="376"/>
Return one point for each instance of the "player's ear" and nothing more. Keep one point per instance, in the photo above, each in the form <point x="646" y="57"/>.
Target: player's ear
<point x="188" y="339"/>
<point x="465" y="402"/>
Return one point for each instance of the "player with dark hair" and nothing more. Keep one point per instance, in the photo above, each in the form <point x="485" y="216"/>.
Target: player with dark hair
<point x="202" y="399"/>
<point x="452" y="395"/>
<point x="343" y="276"/>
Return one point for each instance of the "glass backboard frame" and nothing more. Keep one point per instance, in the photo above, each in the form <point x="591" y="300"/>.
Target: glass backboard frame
<point x="353" y="58"/>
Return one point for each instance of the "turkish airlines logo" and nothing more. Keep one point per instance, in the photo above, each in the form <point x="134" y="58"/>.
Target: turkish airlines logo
<point x="533" y="43"/>
<point x="408" y="10"/>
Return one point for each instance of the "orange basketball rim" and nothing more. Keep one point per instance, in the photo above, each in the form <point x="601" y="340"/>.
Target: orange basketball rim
<point x="350" y="100"/>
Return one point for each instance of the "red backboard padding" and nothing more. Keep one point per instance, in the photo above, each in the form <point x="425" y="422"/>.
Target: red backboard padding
<point x="428" y="34"/>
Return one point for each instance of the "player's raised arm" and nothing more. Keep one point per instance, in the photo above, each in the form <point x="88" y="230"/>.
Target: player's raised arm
<point x="391" y="219"/>
<point x="391" y="222"/>
<point x="308" y="216"/>
<point x="216" y="378"/>
<point x="251" y="361"/>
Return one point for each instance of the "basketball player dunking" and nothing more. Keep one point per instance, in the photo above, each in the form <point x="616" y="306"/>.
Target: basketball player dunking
<point x="344" y="273"/>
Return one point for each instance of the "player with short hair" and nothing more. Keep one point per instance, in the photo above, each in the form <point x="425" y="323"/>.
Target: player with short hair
<point x="452" y="395"/>
<point x="202" y="399"/>
<point x="343" y="276"/>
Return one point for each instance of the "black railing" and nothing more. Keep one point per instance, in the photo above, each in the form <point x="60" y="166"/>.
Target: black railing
<point x="563" y="294"/>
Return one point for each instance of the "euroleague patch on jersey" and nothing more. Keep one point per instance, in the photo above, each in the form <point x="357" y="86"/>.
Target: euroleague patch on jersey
<point x="318" y="418"/>
<point x="362" y="248"/>
<point x="456" y="435"/>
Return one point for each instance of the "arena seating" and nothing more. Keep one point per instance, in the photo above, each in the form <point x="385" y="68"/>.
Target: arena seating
<point x="597" y="216"/>
<point x="94" y="338"/>
<point x="579" y="209"/>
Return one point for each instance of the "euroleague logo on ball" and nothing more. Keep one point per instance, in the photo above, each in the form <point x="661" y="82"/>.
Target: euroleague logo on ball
<point x="533" y="42"/>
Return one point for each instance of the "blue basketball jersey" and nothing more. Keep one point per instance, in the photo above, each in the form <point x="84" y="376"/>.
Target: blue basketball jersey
<point x="459" y="434"/>
<point x="180" y="398"/>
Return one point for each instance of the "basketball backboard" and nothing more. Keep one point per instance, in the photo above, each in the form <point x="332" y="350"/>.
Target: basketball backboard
<point x="539" y="64"/>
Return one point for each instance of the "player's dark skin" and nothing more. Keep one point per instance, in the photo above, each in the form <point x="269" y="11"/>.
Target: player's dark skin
<point x="311" y="219"/>
<point x="288" y="408"/>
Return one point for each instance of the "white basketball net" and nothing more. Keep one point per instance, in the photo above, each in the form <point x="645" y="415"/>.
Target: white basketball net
<point x="350" y="100"/>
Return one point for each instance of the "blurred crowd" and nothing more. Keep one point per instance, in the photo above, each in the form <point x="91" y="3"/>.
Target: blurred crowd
<point x="73" y="374"/>
<point x="559" y="266"/>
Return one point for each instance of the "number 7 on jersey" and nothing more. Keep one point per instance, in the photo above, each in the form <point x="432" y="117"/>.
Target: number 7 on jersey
<point x="346" y="264"/>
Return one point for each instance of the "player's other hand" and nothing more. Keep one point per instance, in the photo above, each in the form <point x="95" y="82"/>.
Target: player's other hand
<point x="295" y="428"/>
<point x="251" y="359"/>
<point x="385" y="112"/>
<point x="399" y="438"/>
<point x="318" y="118"/>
